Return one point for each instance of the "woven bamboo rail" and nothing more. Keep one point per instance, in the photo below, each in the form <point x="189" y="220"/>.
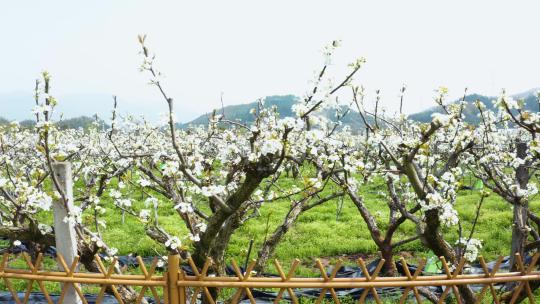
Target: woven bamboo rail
<point x="176" y="286"/>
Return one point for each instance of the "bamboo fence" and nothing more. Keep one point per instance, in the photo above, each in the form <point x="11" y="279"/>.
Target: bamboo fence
<point x="176" y="286"/>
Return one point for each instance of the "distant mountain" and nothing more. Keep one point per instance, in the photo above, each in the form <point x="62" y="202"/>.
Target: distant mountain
<point x="242" y="113"/>
<point x="470" y="111"/>
<point x="528" y="93"/>
<point x="70" y="123"/>
<point x="283" y="105"/>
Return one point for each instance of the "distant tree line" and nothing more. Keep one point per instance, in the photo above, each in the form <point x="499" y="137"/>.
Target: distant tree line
<point x="83" y="122"/>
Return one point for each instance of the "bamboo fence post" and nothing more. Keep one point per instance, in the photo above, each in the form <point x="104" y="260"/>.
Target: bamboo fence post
<point x="181" y="289"/>
<point x="172" y="279"/>
<point x="64" y="231"/>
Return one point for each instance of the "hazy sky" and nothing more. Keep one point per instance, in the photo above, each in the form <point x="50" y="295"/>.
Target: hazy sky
<point x="250" y="49"/>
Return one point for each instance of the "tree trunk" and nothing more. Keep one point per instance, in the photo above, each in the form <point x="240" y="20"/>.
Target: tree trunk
<point x="384" y="244"/>
<point x="387" y="253"/>
<point x="235" y="202"/>
<point x="520" y="232"/>
<point x="269" y="245"/>
<point x="434" y="240"/>
<point x="431" y="236"/>
<point x="216" y="251"/>
<point x="87" y="259"/>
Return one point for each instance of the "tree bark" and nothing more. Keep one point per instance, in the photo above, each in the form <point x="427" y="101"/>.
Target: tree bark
<point x="87" y="259"/>
<point x="431" y="235"/>
<point x="387" y="253"/>
<point x="210" y="238"/>
<point x="269" y="246"/>
<point x="520" y="232"/>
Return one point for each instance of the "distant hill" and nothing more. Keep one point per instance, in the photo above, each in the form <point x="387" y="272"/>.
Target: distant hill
<point x="471" y="112"/>
<point x="241" y="112"/>
<point x="283" y="105"/>
<point x="70" y="123"/>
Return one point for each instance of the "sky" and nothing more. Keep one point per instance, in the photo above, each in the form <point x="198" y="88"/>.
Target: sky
<point x="250" y="49"/>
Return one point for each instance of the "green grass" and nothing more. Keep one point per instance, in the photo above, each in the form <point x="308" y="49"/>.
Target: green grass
<point x="319" y="232"/>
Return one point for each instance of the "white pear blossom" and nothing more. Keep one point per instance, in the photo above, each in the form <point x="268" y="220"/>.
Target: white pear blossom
<point x="194" y="238"/>
<point x="145" y="214"/>
<point x="184" y="207"/>
<point x="173" y="243"/>
<point x="271" y="146"/>
<point x="470" y="248"/>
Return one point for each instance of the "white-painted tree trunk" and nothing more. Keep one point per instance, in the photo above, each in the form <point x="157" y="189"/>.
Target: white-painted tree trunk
<point x="66" y="239"/>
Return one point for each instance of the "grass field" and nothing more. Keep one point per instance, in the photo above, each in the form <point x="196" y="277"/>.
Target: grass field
<point x="319" y="233"/>
<point x="332" y="230"/>
<point x="323" y="232"/>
